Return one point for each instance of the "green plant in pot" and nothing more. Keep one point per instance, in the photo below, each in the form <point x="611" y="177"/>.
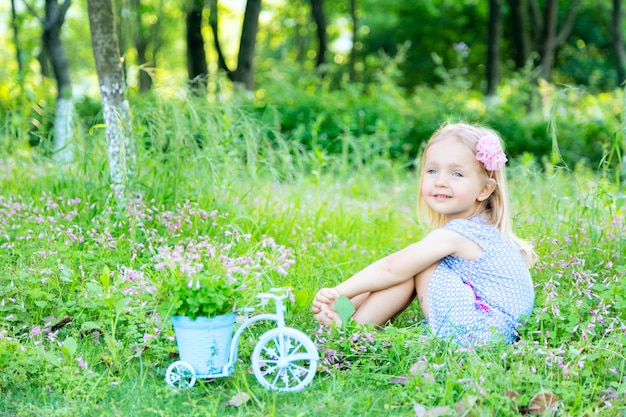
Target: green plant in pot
<point x="202" y="282"/>
<point x="201" y="279"/>
<point x="204" y="295"/>
<point x="202" y="310"/>
<point x="200" y="288"/>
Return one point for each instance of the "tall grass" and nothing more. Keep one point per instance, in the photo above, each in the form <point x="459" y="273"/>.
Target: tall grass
<point x="205" y="169"/>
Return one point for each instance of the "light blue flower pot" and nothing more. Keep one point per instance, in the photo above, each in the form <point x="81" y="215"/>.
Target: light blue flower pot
<point x="204" y="343"/>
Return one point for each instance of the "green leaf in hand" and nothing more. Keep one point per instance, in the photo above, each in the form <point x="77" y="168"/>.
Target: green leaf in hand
<point x="344" y="308"/>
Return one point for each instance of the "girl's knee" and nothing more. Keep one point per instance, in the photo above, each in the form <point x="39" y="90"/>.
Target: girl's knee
<point x="422" y="282"/>
<point x="380" y="306"/>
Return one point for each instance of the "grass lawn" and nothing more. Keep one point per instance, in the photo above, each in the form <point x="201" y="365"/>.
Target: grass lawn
<point x="81" y="335"/>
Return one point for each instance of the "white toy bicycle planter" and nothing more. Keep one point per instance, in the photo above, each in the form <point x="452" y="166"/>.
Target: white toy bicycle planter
<point x="284" y="359"/>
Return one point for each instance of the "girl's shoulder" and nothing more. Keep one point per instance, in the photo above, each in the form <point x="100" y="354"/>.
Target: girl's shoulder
<point x="474" y="228"/>
<point x="476" y="222"/>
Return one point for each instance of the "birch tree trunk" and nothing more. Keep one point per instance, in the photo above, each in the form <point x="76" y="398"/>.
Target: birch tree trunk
<point x="115" y="107"/>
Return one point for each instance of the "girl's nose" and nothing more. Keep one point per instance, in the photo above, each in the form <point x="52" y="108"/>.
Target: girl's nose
<point x="440" y="181"/>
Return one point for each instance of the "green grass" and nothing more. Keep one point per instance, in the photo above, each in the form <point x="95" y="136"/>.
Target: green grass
<point x="61" y="228"/>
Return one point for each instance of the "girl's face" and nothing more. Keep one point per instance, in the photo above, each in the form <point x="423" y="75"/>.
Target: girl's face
<point x="453" y="181"/>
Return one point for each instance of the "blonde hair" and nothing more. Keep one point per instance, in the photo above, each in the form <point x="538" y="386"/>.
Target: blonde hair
<point x="496" y="207"/>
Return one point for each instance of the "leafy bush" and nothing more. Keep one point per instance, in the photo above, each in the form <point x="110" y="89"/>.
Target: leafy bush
<point x="393" y="123"/>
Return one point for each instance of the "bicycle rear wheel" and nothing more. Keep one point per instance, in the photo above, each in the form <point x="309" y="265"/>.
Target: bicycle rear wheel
<point x="180" y="375"/>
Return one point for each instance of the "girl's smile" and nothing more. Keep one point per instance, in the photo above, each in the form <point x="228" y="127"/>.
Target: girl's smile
<point x="454" y="183"/>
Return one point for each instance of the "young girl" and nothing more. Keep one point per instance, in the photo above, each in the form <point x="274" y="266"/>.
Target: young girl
<point x="470" y="273"/>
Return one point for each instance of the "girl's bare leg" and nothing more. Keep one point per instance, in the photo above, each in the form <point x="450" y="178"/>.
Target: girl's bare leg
<point x="359" y="300"/>
<point x="380" y="306"/>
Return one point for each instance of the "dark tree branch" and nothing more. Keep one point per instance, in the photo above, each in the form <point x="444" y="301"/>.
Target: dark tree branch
<point x="213" y="22"/>
<point x="33" y="12"/>
<point x="244" y="73"/>
<point x="57" y="15"/>
<point x="569" y="23"/>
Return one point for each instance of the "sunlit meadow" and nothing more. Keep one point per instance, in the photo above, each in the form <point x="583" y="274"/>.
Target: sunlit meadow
<point x="80" y="270"/>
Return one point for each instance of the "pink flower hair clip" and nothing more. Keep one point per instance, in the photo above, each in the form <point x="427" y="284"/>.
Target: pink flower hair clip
<point x="489" y="152"/>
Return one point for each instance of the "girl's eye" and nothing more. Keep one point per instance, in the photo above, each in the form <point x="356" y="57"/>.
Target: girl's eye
<point x="431" y="171"/>
<point x="457" y="174"/>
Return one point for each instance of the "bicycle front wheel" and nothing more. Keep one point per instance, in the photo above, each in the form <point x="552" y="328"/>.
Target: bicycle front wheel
<point x="180" y="375"/>
<point x="284" y="359"/>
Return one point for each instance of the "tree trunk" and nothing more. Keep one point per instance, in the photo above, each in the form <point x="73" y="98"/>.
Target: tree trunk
<point x="52" y="44"/>
<point x="141" y="45"/>
<point x="44" y="64"/>
<point x="521" y="33"/>
<point x="197" y="68"/>
<point x="18" y="49"/>
<point x="115" y="107"/>
<point x="317" y="11"/>
<point x="244" y="73"/>
<point x="493" y="46"/>
<point x="618" y="41"/>
<point x="548" y="45"/>
<point x="538" y="23"/>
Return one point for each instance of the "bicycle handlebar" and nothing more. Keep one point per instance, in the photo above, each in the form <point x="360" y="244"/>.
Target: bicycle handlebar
<point x="282" y="294"/>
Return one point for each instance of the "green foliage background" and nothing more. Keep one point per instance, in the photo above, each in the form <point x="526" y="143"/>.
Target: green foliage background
<point x="338" y="203"/>
<point x="326" y="170"/>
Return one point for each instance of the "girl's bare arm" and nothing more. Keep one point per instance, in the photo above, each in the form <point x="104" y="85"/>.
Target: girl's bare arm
<point x="404" y="264"/>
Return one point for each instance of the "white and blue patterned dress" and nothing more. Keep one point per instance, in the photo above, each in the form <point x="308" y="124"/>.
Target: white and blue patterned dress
<point x="476" y="301"/>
